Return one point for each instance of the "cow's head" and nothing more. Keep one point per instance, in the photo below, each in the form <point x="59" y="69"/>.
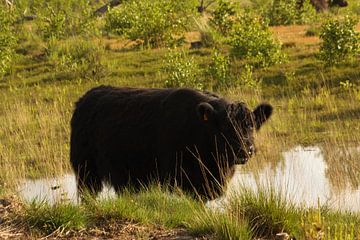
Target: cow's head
<point x="339" y="3"/>
<point x="233" y="126"/>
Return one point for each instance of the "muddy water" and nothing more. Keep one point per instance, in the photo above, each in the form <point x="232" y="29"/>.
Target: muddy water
<point x="301" y="178"/>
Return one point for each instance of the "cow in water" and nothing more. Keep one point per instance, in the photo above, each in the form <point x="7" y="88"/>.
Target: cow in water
<point x="183" y="137"/>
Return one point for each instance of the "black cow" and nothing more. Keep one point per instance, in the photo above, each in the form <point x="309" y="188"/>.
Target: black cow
<point x="322" y="5"/>
<point x="184" y="137"/>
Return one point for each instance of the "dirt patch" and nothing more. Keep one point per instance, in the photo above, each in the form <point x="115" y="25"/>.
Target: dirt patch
<point x="10" y="228"/>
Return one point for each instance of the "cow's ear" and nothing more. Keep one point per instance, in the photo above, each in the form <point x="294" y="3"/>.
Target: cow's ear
<point x="262" y="113"/>
<point x="205" y="111"/>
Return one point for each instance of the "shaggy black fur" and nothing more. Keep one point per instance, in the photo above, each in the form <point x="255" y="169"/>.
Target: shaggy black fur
<point x="185" y="137"/>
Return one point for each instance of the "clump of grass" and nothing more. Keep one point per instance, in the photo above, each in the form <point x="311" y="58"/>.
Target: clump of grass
<point x="321" y="222"/>
<point x="267" y="211"/>
<point x="154" y="205"/>
<point x="60" y="218"/>
<point x="224" y="225"/>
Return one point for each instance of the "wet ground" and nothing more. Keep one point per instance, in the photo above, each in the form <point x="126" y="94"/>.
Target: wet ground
<point x="300" y="177"/>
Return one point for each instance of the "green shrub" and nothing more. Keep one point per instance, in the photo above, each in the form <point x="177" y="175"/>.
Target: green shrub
<point x="247" y="79"/>
<point x="61" y="19"/>
<point x="222" y="17"/>
<point x="182" y="70"/>
<point x="340" y="41"/>
<point x="286" y="12"/>
<point x="219" y="71"/>
<point x="209" y="37"/>
<point x="77" y="58"/>
<point x="282" y="12"/>
<point x="53" y="25"/>
<point x="156" y="23"/>
<point x="252" y="40"/>
<point x="7" y="40"/>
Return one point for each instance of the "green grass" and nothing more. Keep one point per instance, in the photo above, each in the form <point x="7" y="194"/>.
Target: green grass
<point x="314" y="105"/>
<point x="247" y="216"/>
<point x="153" y="206"/>
<point x="48" y="219"/>
<point x="267" y="211"/>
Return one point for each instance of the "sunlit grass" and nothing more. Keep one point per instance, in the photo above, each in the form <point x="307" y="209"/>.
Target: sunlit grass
<point x="311" y="107"/>
<point x="245" y="214"/>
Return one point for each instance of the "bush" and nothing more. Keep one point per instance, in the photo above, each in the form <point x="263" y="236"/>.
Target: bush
<point x="182" y="71"/>
<point x="77" y="58"/>
<point x="340" y="41"/>
<point x="209" y="37"/>
<point x="286" y="12"/>
<point x="156" y="23"/>
<point x="222" y="17"/>
<point x="219" y="71"/>
<point x="247" y="79"/>
<point x="252" y="40"/>
<point x="60" y="19"/>
<point x="7" y="40"/>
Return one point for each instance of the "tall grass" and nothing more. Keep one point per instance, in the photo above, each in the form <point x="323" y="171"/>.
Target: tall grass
<point x="313" y="106"/>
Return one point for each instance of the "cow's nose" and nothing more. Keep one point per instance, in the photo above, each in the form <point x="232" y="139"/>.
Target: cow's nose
<point x="251" y="150"/>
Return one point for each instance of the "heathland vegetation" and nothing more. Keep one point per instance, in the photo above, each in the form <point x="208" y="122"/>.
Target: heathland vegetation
<point x="305" y="63"/>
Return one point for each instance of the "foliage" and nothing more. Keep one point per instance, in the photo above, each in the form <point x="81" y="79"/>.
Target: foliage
<point x="53" y="25"/>
<point x="60" y="217"/>
<point x="306" y="14"/>
<point x="7" y="40"/>
<point x="209" y="37"/>
<point x="286" y="12"/>
<point x="340" y="41"/>
<point x="247" y="78"/>
<point x="182" y="70"/>
<point x="222" y="17"/>
<point x="252" y="40"/>
<point x="156" y="23"/>
<point x="219" y="70"/>
<point x="61" y="19"/>
<point x="77" y="58"/>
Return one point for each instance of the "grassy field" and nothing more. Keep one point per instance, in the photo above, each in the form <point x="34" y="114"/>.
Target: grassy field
<point x="314" y="105"/>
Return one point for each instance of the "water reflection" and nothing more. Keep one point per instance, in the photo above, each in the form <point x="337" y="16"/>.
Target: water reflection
<point x="53" y="190"/>
<point x="302" y="177"/>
